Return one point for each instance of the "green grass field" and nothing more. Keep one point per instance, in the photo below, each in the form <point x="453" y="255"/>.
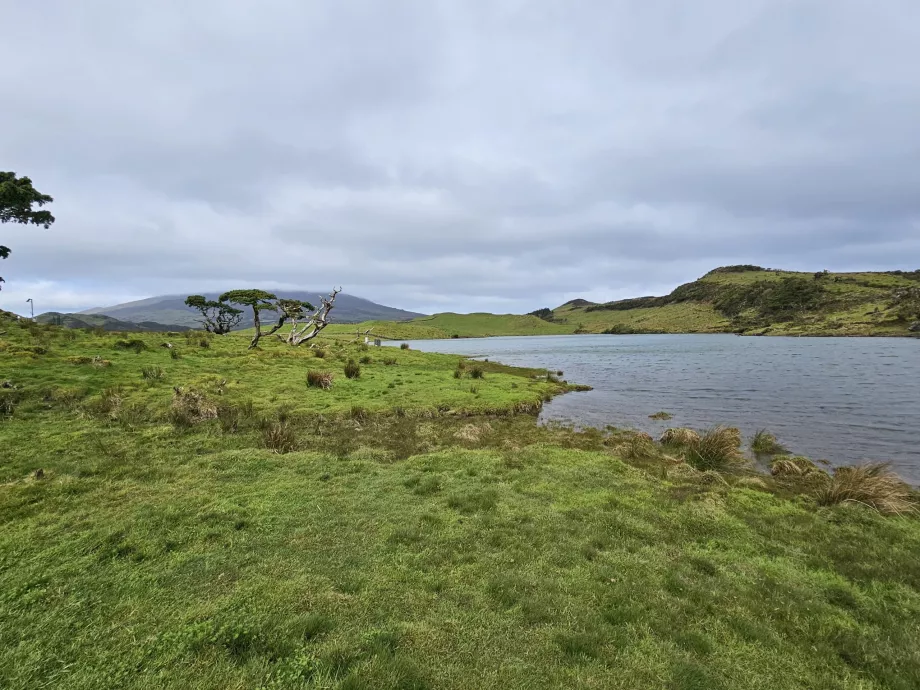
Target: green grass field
<point x="416" y="533"/>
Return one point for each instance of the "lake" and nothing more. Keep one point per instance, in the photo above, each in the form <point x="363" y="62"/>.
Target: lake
<point x="846" y="400"/>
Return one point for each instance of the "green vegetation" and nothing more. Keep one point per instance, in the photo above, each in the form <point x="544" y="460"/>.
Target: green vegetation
<point x="749" y="299"/>
<point x="17" y="198"/>
<point x="765" y="443"/>
<point x="226" y="523"/>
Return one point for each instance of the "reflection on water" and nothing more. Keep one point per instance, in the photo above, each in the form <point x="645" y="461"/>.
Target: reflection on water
<point x="842" y="399"/>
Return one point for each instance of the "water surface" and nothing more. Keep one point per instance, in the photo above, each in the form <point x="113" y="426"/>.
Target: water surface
<point x="846" y="400"/>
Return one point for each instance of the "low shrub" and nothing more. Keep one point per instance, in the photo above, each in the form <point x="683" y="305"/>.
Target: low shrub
<point x="319" y="353"/>
<point x="476" y="372"/>
<point x="174" y="353"/>
<point x="404" y="346"/>
<point x="718" y="449"/>
<point x="319" y="379"/>
<point x="365" y="360"/>
<point x="352" y="369"/>
<point x="873" y="485"/>
<point x="389" y="361"/>
<point x="458" y="373"/>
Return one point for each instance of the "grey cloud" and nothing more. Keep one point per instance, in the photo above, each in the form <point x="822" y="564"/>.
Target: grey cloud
<point x="461" y="156"/>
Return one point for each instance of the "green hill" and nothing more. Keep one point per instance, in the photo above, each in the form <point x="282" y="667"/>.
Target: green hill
<point x="752" y="300"/>
<point x="107" y="323"/>
<point x="481" y="325"/>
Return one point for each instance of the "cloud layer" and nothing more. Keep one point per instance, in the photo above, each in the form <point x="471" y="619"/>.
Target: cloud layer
<point x="459" y="156"/>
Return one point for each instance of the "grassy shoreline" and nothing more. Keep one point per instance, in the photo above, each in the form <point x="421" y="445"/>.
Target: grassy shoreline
<point x="254" y="531"/>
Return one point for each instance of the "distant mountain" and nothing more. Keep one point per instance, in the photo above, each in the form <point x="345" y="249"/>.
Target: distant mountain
<point x="171" y="309"/>
<point x="105" y="322"/>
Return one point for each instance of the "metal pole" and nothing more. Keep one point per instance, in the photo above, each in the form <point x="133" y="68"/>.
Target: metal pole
<point x="31" y="307"/>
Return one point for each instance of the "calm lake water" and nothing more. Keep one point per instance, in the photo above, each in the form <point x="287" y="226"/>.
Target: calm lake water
<point x="845" y="400"/>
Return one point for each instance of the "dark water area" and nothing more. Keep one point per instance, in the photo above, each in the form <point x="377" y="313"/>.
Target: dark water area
<point x="846" y="400"/>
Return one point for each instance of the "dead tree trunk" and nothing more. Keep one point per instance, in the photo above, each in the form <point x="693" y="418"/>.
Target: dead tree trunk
<point x="302" y="332"/>
<point x="257" y="321"/>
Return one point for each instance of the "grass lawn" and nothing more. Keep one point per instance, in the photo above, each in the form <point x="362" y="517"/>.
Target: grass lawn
<point x="414" y="536"/>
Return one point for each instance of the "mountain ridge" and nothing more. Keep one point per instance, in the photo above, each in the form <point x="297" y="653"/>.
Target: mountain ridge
<point x="171" y="309"/>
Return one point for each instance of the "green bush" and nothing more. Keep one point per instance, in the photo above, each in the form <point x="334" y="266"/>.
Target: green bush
<point x="352" y="369"/>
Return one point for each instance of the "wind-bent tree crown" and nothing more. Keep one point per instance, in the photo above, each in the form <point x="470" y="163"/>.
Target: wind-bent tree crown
<point x="259" y="301"/>
<point x="17" y="196"/>
<point x="217" y="317"/>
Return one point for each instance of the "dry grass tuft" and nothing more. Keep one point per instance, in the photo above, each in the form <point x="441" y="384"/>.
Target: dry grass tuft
<point x="190" y="407"/>
<point x="637" y="446"/>
<point x="718" y="449"/>
<point x="278" y="436"/>
<point x="472" y="432"/>
<point x="679" y="436"/>
<point x="873" y="485"/>
<point x="795" y="466"/>
<point x="320" y="379"/>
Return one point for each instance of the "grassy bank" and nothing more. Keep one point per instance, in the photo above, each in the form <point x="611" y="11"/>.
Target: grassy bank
<point x="408" y="536"/>
<point x="726" y="300"/>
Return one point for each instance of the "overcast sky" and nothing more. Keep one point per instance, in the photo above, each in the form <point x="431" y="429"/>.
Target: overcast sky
<point x="466" y="155"/>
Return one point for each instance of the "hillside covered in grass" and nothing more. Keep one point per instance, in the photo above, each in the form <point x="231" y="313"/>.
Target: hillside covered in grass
<point x="756" y="301"/>
<point x="207" y="516"/>
<point x="734" y="299"/>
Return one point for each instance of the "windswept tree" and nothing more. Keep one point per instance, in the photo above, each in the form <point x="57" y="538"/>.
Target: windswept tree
<point x="17" y="197"/>
<point x="217" y="316"/>
<point x="304" y="325"/>
<point x="258" y="301"/>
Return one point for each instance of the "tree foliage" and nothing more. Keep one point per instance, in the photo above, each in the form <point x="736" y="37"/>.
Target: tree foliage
<point x="17" y="198"/>
<point x="217" y="316"/>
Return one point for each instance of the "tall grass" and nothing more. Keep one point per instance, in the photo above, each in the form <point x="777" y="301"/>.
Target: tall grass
<point x="352" y="369"/>
<point x="873" y="485"/>
<point x="765" y="443"/>
<point x="718" y="449"/>
<point x="278" y="436"/>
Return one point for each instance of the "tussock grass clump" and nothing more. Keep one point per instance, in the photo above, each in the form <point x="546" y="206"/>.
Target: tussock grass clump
<point x="229" y="418"/>
<point x="458" y="373"/>
<point x="873" y="485"/>
<point x="319" y="353"/>
<point x="679" y="436"/>
<point x="795" y="467"/>
<point x="320" y="379"/>
<point x="663" y="416"/>
<point x="765" y="443"/>
<point x="352" y="369"/>
<point x="79" y="359"/>
<point x="190" y="407"/>
<point x="278" y="436"/>
<point x="476" y="372"/>
<point x="174" y="353"/>
<point x="718" y="449"/>
<point x="389" y="361"/>
<point x="358" y="413"/>
<point x="404" y="346"/>
<point x="152" y="373"/>
<point x="365" y="360"/>
<point x="135" y="344"/>
<point x="637" y="446"/>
